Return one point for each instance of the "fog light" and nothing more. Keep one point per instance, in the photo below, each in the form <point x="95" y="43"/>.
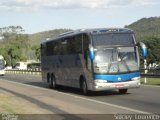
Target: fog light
<point x="100" y="81"/>
<point x="136" y="78"/>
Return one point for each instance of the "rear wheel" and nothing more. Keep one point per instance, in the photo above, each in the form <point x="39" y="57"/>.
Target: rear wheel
<point x="53" y="80"/>
<point x="123" y="91"/>
<point x="49" y="81"/>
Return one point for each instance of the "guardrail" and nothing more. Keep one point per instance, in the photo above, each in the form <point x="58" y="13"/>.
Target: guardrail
<point x="150" y="72"/>
<point x="29" y="71"/>
<point x="144" y="72"/>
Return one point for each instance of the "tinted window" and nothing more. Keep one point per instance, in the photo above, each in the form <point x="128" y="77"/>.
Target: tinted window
<point x="75" y="44"/>
<point x="112" y="39"/>
<point x="53" y="47"/>
<point x="49" y="48"/>
<point x="68" y="45"/>
<point x="85" y="42"/>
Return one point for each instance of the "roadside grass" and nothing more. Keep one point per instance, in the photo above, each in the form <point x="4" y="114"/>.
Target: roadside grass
<point x="12" y="104"/>
<point x="150" y="81"/>
<point x="8" y="104"/>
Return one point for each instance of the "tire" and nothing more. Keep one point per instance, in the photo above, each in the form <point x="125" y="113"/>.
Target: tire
<point x="84" y="87"/>
<point x="123" y="91"/>
<point x="53" y="82"/>
<point x="49" y="85"/>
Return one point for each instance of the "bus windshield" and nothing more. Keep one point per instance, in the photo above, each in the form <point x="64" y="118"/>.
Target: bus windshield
<point x="112" y="39"/>
<point x="116" y="60"/>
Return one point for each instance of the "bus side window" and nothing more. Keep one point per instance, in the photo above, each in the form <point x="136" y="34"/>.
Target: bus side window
<point x="64" y="46"/>
<point x="49" y="48"/>
<point x="74" y="45"/>
<point x="57" y="48"/>
<point x="86" y="51"/>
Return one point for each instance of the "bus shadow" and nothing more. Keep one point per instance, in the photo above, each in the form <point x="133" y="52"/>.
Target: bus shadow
<point x="91" y="93"/>
<point x="37" y="84"/>
<point x="77" y="91"/>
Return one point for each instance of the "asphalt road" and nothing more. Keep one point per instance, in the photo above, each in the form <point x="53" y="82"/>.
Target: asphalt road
<point x="145" y="99"/>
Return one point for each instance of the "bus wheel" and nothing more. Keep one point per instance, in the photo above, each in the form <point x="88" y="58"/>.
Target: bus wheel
<point x="53" y="81"/>
<point x="123" y="91"/>
<point x="84" y="88"/>
<point x="49" y="81"/>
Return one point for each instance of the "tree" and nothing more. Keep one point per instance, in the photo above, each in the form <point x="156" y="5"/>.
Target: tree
<point x="14" y="45"/>
<point x="153" y="45"/>
<point x="36" y="49"/>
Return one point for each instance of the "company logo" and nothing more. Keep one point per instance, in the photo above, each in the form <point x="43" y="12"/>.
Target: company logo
<point x="119" y="78"/>
<point x="114" y="68"/>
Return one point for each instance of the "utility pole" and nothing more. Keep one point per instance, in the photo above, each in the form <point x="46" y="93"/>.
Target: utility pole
<point x="145" y="54"/>
<point x="145" y="71"/>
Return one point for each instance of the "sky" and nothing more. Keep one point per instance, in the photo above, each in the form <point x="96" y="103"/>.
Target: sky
<point x="41" y="15"/>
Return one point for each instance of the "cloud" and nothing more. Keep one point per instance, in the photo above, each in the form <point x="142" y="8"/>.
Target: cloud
<point x="19" y="5"/>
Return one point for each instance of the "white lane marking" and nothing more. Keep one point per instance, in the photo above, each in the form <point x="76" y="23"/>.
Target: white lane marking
<point x="108" y="104"/>
<point x="87" y="99"/>
<point x="156" y="86"/>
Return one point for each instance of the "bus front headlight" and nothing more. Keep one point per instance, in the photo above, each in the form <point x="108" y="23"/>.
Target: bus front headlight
<point x="100" y="81"/>
<point x="136" y="78"/>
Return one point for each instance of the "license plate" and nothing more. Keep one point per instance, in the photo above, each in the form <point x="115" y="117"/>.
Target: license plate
<point x="119" y="85"/>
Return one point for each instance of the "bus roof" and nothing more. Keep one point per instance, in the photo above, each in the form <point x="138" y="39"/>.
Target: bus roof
<point x="90" y="31"/>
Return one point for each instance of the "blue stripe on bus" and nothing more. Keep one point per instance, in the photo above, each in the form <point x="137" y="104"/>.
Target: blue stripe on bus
<point x="117" y="77"/>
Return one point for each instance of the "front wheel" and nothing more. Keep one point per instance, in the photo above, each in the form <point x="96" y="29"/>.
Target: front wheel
<point x="123" y="91"/>
<point x="84" y="88"/>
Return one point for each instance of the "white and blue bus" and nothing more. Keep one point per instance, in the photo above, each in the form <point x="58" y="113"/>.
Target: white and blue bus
<point x="2" y="65"/>
<point x="92" y="60"/>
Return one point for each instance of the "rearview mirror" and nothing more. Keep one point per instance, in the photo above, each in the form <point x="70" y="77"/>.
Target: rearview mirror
<point x="144" y="49"/>
<point x="91" y="52"/>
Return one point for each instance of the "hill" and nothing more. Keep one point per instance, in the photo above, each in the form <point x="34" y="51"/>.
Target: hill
<point x="146" y="27"/>
<point x="39" y="37"/>
<point x="15" y="45"/>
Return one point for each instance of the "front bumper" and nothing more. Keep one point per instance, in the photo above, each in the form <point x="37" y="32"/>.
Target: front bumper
<point x="118" y="85"/>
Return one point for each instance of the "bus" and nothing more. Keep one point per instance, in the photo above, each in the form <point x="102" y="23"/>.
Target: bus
<point x="92" y="60"/>
<point x="2" y="65"/>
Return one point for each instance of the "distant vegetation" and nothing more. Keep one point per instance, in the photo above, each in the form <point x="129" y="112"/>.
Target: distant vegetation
<point x="37" y="38"/>
<point x="146" y="27"/>
<point x="147" y="30"/>
<point x="16" y="46"/>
